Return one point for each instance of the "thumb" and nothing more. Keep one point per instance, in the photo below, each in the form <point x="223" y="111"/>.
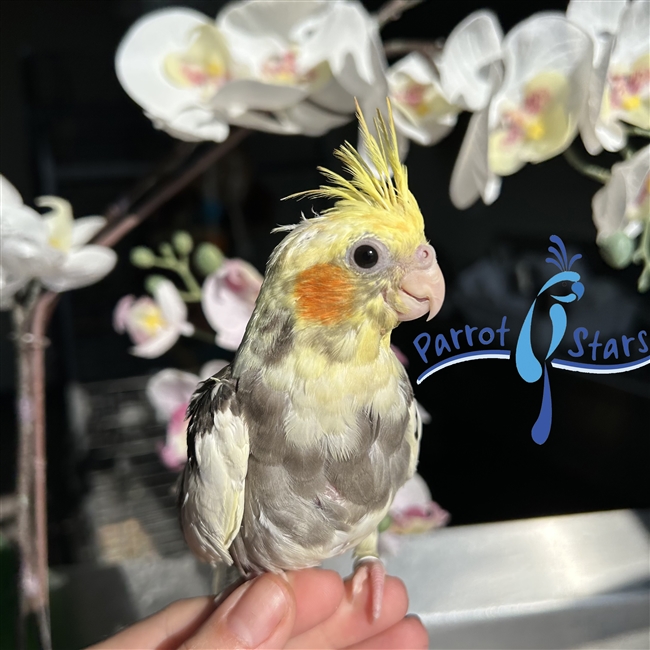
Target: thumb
<point x="259" y="614"/>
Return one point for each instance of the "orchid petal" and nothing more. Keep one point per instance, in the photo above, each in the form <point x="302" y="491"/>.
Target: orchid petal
<point x="211" y="368"/>
<point x="80" y="268"/>
<point x="121" y="313"/>
<point x="228" y="308"/>
<point x="194" y="124"/>
<point x="349" y="27"/>
<point x="140" y="58"/>
<point x="84" y="229"/>
<point x="170" y="389"/>
<point x="625" y="197"/>
<point x="415" y="492"/>
<point x="240" y="95"/>
<point x="422" y="111"/>
<point x="474" y="44"/>
<point x="632" y="41"/>
<point x="601" y="20"/>
<point x="627" y="94"/>
<point x="156" y="345"/>
<point x="9" y="195"/>
<point x="309" y="119"/>
<point x="547" y="63"/>
<point x="10" y="284"/>
<point x="24" y="242"/>
<point x="472" y="177"/>
<point x="277" y="122"/>
<point x="174" y="309"/>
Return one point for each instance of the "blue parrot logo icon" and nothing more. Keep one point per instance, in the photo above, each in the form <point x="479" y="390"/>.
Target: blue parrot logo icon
<point x="529" y="367"/>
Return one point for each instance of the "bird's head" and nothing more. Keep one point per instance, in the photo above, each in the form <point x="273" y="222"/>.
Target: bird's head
<point x="366" y="258"/>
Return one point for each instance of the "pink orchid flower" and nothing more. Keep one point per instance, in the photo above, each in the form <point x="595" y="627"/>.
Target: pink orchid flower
<point x="154" y="324"/>
<point x="228" y="300"/>
<point x="169" y="392"/>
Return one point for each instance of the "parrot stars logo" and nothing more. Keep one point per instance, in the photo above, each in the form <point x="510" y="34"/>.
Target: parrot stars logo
<point x="561" y="290"/>
<point x="528" y="366"/>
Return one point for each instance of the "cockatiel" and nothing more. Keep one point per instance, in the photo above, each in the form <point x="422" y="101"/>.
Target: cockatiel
<point x="296" y="450"/>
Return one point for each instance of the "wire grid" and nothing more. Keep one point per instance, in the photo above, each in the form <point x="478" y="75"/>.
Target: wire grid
<point x="131" y="503"/>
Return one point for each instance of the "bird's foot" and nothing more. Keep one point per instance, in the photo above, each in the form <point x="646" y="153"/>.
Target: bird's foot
<point x="372" y="569"/>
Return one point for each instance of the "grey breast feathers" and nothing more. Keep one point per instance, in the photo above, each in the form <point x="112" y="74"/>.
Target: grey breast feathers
<point x="213" y="485"/>
<point x="303" y="504"/>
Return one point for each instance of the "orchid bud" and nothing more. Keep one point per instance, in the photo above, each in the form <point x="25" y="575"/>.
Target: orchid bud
<point x="208" y="258"/>
<point x="644" y="280"/>
<point x="143" y="257"/>
<point x="152" y="281"/>
<point x="182" y="242"/>
<point x="617" y="250"/>
<point x="166" y="249"/>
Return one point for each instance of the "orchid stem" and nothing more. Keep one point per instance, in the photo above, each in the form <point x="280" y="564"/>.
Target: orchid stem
<point x="31" y="319"/>
<point x="203" y="336"/>
<point x="627" y="152"/>
<point x="32" y="481"/>
<point x="180" y="266"/>
<point x="589" y="170"/>
<point x="393" y="10"/>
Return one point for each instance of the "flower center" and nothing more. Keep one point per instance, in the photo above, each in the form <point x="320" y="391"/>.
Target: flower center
<point x="534" y="130"/>
<point x="417" y="100"/>
<point x="204" y="65"/>
<point x="283" y="69"/>
<point x="148" y="317"/>
<point x="59" y="222"/>
<point x="628" y="91"/>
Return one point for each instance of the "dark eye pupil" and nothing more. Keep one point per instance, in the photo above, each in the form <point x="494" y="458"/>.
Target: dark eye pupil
<point x="366" y="257"/>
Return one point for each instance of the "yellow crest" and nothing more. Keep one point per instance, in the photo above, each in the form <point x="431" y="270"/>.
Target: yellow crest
<point x="368" y="191"/>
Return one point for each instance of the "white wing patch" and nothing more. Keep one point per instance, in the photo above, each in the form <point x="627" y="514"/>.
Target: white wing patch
<point x="413" y="437"/>
<point x="214" y="484"/>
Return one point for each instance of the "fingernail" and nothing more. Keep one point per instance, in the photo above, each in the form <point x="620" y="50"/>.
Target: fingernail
<point x="258" y="612"/>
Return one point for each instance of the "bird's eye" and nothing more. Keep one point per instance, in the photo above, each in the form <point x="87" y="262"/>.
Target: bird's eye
<point x="366" y="256"/>
<point x="565" y="284"/>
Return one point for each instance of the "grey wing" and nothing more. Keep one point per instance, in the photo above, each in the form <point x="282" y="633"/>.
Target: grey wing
<point x="212" y="489"/>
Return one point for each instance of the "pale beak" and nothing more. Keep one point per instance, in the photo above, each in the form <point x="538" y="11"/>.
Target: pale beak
<point x="422" y="289"/>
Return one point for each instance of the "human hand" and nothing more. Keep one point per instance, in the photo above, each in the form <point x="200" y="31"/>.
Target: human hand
<point x="312" y="608"/>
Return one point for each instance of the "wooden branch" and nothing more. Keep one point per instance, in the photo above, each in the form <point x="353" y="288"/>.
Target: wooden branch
<point x="31" y="321"/>
<point x="393" y="10"/>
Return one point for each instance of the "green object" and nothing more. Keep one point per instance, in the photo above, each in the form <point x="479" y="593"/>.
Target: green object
<point x="208" y="258"/>
<point x="166" y="250"/>
<point x="182" y="242"/>
<point x="143" y="257"/>
<point x="152" y="281"/>
<point x="617" y="250"/>
<point x="385" y="523"/>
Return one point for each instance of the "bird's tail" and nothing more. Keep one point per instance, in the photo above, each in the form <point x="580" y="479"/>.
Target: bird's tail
<point x="225" y="579"/>
<point x="542" y="427"/>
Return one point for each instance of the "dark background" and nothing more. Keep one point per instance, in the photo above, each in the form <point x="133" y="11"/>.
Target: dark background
<point x="67" y="128"/>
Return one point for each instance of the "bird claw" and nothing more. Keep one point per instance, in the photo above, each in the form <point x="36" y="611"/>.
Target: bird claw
<point x="371" y="569"/>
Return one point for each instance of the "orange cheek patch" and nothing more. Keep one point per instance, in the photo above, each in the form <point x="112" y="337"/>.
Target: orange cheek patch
<point x="324" y="293"/>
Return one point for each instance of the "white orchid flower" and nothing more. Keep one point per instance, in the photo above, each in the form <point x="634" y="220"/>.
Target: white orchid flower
<point x="171" y="62"/>
<point x="620" y="80"/>
<point x="535" y="112"/>
<point x="154" y="324"/>
<point x="169" y="392"/>
<point x="621" y="209"/>
<point x="228" y="299"/>
<point x="428" y="95"/>
<point x="283" y="67"/>
<point x="51" y="247"/>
